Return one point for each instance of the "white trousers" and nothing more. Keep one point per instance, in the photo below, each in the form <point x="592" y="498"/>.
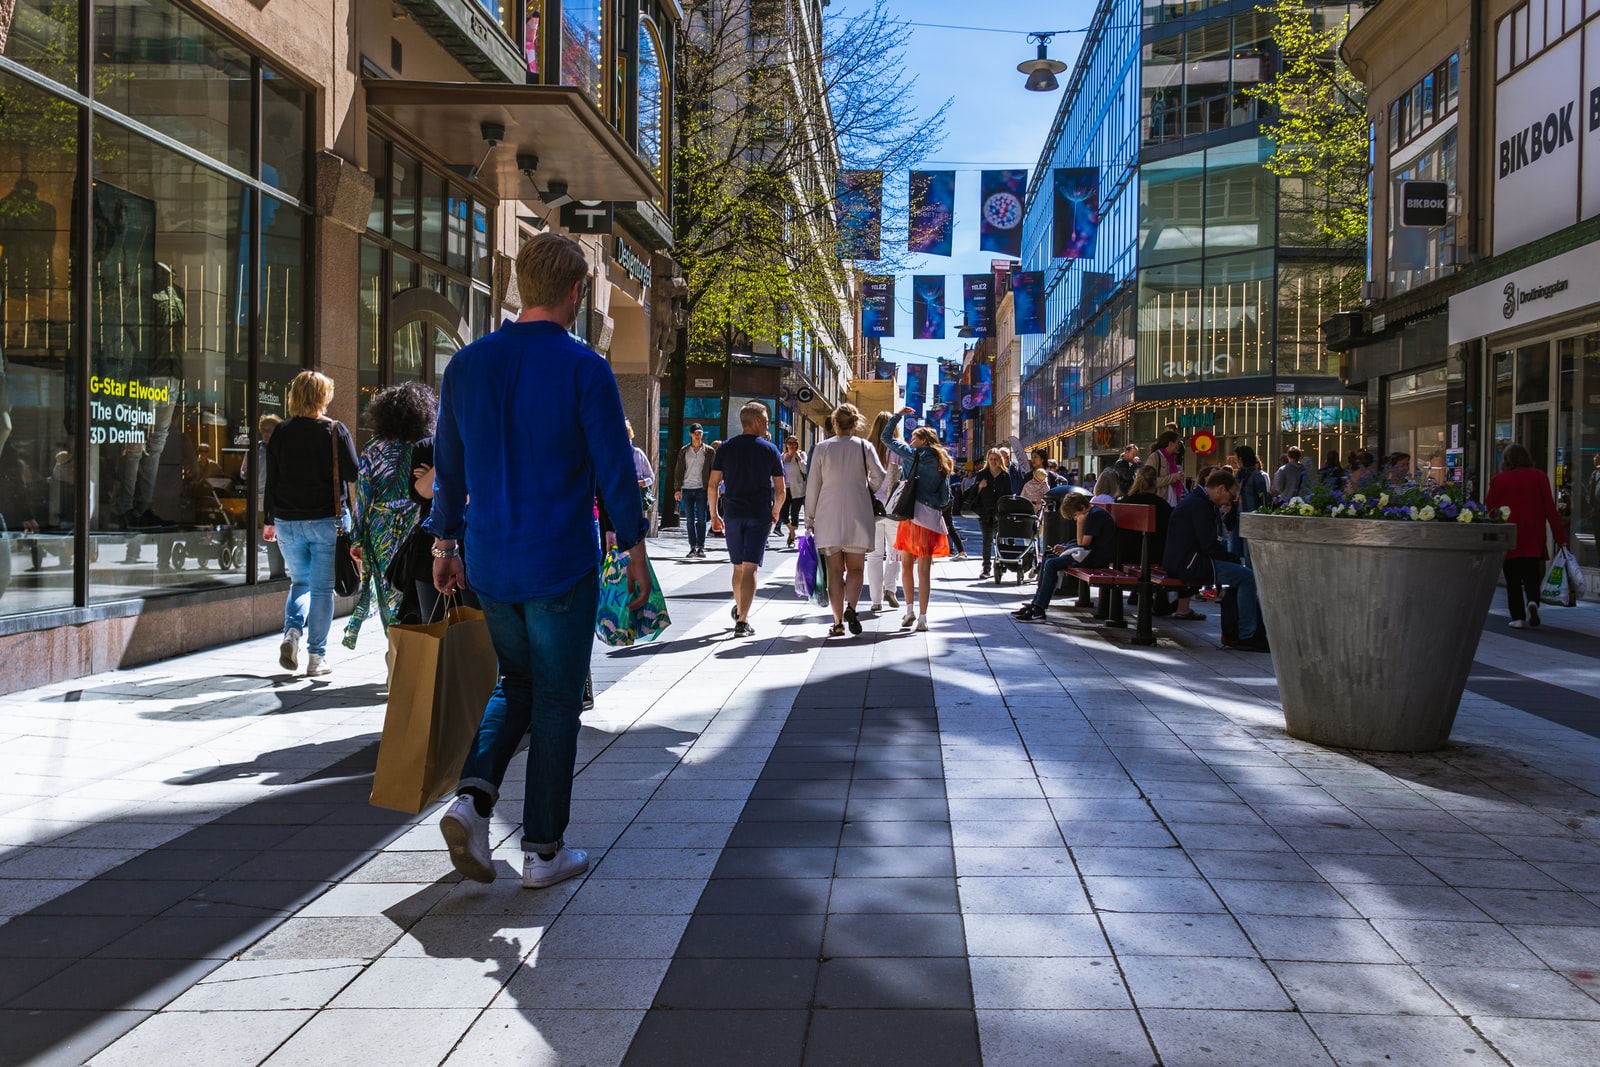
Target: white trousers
<point x="883" y="562"/>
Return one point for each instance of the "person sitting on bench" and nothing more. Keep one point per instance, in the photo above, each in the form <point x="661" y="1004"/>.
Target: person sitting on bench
<point x="1195" y="555"/>
<point x="1095" y="546"/>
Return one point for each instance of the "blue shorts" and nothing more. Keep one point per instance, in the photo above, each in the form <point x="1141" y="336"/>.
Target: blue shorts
<point x="747" y="539"/>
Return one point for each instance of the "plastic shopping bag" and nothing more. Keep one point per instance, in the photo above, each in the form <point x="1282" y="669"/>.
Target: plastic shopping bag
<point x="805" y="568"/>
<point x="1563" y="580"/>
<point x="819" y="590"/>
<point x="615" y="623"/>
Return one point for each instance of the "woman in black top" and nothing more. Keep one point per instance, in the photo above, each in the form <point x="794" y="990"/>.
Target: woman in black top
<point x="988" y="486"/>
<point x="300" y="509"/>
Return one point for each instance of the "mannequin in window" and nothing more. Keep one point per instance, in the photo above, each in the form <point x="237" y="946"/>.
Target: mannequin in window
<point x="166" y="346"/>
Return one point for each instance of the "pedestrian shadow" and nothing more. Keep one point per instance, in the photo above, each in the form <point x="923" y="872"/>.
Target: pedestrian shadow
<point x="788" y="645"/>
<point x="668" y="644"/>
<point x="287" y="766"/>
<point x="280" y="698"/>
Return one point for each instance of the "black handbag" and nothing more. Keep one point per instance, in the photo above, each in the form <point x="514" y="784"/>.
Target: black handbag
<point x="346" y="568"/>
<point x="903" y="501"/>
<point x="878" y="510"/>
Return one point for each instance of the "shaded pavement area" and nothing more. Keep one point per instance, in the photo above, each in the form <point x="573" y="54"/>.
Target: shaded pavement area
<point x="995" y="842"/>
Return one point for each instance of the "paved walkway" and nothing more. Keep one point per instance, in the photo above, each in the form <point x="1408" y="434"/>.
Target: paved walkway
<point x="995" y="842"/>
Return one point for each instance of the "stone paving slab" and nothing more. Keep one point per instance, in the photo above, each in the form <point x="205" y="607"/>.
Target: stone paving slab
<point x="995" y="842"/>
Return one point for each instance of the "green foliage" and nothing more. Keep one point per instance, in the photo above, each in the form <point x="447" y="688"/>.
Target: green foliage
<point x="1318" y="126"/>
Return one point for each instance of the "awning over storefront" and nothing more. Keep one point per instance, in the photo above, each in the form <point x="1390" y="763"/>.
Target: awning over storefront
<point x="553" y="122"/>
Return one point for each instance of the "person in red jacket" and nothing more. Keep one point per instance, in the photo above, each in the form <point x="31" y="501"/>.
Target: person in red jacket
<point x="1524" y="489"/>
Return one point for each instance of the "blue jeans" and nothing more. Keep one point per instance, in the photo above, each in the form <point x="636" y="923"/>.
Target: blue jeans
<point x="1049" y="574"/>
<point x="307" y="548"/>
<point x="1243" y="579"/>
<point x="543" y="646"/>
<point x="696" y="513"/>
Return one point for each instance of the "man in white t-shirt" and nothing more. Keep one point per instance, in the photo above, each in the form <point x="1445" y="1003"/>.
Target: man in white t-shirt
<point x="692" y="476"/>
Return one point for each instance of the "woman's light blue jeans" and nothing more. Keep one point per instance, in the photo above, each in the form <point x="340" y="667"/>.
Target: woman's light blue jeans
<point x="307" y="548"/>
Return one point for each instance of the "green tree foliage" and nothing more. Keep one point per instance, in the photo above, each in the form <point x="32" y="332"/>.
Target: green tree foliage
<point x="767" y="114"/>
<point x="1318" y="125"/>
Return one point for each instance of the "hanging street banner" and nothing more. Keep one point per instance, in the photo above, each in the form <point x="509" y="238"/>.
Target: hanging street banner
<point x="1000" y="195"/>
<point x="933" y="212"/>
<point x="916" y="386"/>
<point x="977" y="303"/>
<point x="1027" y="300"/>
<point x="859" y="212"/>
<point x="1077" y="213"/>
<point x="927" y="307"/>
<point x="886" y="371"/>
<point x="981" y="391"/>
<point x="877" y="306"/>
<point x="949" y="381"/>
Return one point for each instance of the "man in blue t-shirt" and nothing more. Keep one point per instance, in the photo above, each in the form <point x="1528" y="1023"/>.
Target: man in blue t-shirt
<point x="749" y="471"/>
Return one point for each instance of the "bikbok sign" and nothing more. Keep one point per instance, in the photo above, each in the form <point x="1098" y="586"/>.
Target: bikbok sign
<point x="1547" y="141"/>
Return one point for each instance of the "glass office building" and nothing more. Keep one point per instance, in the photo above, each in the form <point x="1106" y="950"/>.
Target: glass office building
<point x="1202" y="300"/>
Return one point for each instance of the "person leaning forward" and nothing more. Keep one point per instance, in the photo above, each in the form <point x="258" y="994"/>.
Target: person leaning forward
<point x="533" y="556"/>
<point x="749" y="471"/>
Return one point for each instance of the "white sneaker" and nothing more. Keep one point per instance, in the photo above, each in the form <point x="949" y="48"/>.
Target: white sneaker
<point x="890" y="599"/>
<point x="466" y="833"/>
<point x="317" y="666"/>
<point x="922" y="624"/>
<point x="289" y="650"/>
<point x="1518" y="624"/>
<point x="567" y="863"/>
<point x="910" y="618"/>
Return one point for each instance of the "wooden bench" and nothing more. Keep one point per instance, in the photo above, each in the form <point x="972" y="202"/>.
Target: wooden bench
<point x="1140" y="519"/>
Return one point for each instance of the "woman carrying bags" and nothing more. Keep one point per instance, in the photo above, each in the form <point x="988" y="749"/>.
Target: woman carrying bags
<point x="925" y="469"/>
<point x="844" y="474"/>
<point x="1525" y="489"/>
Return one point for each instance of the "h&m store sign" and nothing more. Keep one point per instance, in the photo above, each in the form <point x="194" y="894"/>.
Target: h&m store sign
<point x="1547" y="140"/>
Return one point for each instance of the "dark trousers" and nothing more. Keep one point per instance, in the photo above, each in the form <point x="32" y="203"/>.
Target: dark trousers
<point x="1524" y="576"/>
<point x="988" y="528"/>
<point x="950" y="527"/>
<point x="792" y="504"/>
<point x="696" y="513"/>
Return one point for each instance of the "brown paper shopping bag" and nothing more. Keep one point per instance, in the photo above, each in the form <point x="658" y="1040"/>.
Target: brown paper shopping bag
<point x="444" y="673"/>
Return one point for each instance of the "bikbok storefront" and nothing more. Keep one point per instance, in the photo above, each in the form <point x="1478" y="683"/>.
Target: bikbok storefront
<point x="1531" y="332"/>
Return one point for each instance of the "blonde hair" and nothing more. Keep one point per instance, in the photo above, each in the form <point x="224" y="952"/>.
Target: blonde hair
<point x="547" y="268"/>
<point x="846" y="417"/>
<point x="928" y="439"/>
<point x="751" y="412"/>
<point x="1108" y="484"/>
<point x="309" y="394"/>
<point x="876" y="437"/>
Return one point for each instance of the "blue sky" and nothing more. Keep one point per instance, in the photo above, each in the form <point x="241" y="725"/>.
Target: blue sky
<point x="993" y="121"/>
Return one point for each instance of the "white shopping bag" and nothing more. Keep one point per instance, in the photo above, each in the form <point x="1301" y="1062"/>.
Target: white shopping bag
<point x="1563" y="581"/>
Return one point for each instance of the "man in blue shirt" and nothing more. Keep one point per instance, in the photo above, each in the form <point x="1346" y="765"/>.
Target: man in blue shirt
<point x="530" y="426"/>
<point x="749" y="470"/>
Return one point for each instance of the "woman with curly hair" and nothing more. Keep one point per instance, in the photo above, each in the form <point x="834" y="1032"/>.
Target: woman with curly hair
<point x="399" y="417"/>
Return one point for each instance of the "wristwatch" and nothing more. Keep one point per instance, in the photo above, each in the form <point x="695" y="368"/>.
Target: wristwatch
<point x="445" y="553"/>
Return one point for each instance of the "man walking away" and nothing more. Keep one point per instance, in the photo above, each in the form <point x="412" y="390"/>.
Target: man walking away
<point x="749" y="472"/>
<point x="1289" y="481"/>
<point x="534" y="553"/>
<point x="693" y="470"/>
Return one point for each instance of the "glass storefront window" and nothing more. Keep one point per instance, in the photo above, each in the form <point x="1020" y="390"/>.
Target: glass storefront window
<point x="532" y="38"/>
<point x="1162" y="80"/>
<point x="43" y="37"/>
<point x="159" y="64"/>
<point x="168" y="362"/>
<point x="433" y="187"/>
<point x="404" y="180"/>
<point x="283" y="134"/>
<point x="652" y="98"/>
<point x="1172" y="195"/>
<point x="38" y="453"/>
<point x="1239" y="198"/>
<point x="458" y="211"/>
<point x="1577" y="472"/>
<point x="1237" y="316"/>
<point x="1171" y="313"/>
<point x="369" y="323"/>
<point x="1415" y="419"/>
<point x="378" y="168"/>
<point x="1308" y="296"/>
<point x="583" y="47"/>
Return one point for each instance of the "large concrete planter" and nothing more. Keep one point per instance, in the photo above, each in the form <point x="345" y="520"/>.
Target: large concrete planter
<point x="1373" y="623"/>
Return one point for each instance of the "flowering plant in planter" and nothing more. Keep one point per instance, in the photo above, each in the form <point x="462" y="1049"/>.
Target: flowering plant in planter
<point x="1409" y="502"/>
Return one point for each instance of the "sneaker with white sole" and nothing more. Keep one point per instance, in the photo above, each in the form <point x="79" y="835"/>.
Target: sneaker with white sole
<point x="539" y="873"/>
<point x="466" y="834"/>
<point x="877" y="606"/>
<point x="922" y="624"/>
<point x="890" y="599"/>
<point x="289" y="650"/>
<point x="317" y="666"/>
<point x="1518" y="624"/>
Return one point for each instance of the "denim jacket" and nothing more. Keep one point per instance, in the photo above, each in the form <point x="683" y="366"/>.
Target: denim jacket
<point x="933" y="489"/>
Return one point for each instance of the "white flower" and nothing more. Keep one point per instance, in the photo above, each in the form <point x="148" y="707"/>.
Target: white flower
<point x="1307" y="509"/>
<point x="1383" y="500"/>
<point x="1361" y="498"/>
<point x="1336" y="511"/>
<point x="1412" y="512"/>
<point x="1295" y="502"/>
<point x="1504" y="513"/>
<point x="1465" y="516"/>
<point x="1427" y="514"/>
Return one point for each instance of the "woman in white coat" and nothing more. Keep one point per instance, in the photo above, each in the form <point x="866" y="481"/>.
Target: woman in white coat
<point x="845" y="472"/>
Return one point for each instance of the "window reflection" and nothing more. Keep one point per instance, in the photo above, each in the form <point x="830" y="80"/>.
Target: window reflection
<point x="651" y="98"/>
<point x="43" y="36"/>
<point x="582" y="47"/>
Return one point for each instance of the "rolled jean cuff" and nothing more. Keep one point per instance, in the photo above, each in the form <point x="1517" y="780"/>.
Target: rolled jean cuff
<point x="536" y="847"/>
<point x="487" y="788"/>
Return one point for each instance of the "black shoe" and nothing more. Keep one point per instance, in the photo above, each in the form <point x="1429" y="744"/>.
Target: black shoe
<point x="588" y="693"/>
<point x="852" y="621"/>
<point x="743" y="629"/>
<point x="1028" y="613"/>
<point x="1533" y="615"/>
<point x="1256" y="643"/>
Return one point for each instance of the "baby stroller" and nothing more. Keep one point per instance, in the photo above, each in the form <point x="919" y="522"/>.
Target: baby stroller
<point x="1016" y="538"/>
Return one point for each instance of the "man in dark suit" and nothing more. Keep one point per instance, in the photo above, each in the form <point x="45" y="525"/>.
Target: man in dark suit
<point x="1195" y="555"/>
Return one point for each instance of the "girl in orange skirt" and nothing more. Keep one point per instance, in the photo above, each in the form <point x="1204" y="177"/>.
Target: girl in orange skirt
<point x="920" y="539"/>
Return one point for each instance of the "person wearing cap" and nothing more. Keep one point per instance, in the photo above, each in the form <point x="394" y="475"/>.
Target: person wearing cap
<point x="693" y="474"/>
